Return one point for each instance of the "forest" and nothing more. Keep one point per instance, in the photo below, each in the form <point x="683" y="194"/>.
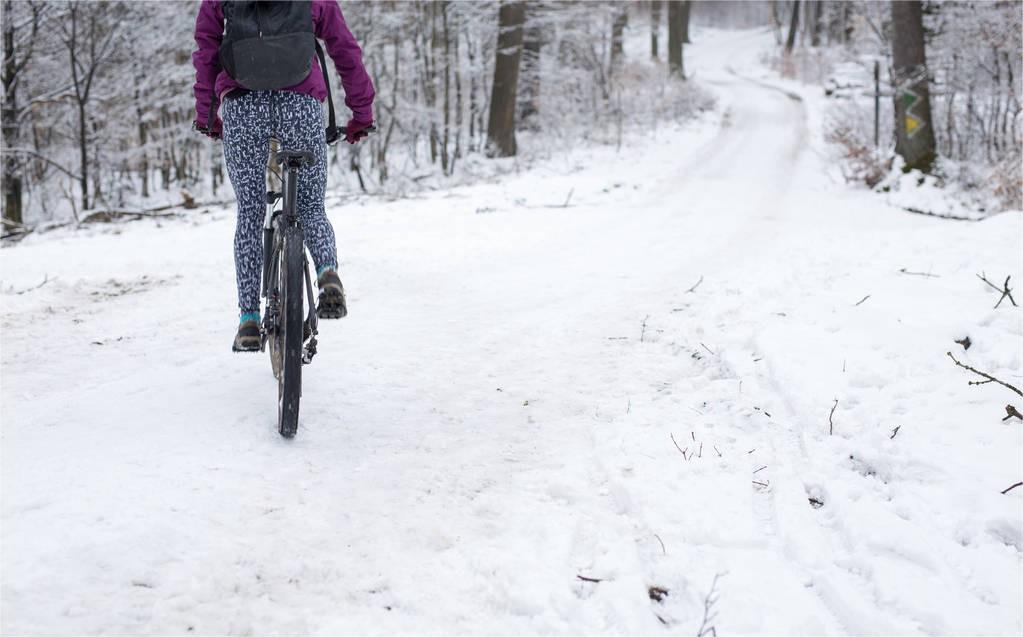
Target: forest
<point x="97" y="100"/>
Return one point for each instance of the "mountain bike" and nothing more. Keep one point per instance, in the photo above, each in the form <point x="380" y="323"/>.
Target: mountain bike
<point x="289" y="326"/>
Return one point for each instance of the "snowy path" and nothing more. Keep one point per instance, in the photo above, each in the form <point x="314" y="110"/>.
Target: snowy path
<point x="496" y="415"/>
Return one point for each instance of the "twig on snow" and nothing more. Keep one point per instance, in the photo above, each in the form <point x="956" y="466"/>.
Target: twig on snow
<point x="709" y="615"/>
<point x="862" y="301"/>
<point x="693" y="289"/>
<point x="895" y="432"/>
<point x="46" y="279"/>
<point x="594" y="580"/>
<point x="642" y="334"/>
<point x="1018" y="484"/>
<point x="989" y="377"/>
<point x="965" y="342"/>
<point x="663" y="550"/>
<point x="1011" y="412"/>
<point x="708" y="349"/>
<point x="927" y="274"/>
<point x="677" y="447"/>
<point x="831" y="418"/>
<point x="1005" y="289"/>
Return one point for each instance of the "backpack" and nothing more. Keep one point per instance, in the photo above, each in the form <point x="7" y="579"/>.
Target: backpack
<point x="269" y="46"/>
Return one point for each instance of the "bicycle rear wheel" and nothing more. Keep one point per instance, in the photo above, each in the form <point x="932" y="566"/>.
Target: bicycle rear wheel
<point x="289" y="382"/>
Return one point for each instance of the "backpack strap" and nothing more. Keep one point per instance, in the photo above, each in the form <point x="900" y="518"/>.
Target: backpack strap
<point x="333" y="134"/>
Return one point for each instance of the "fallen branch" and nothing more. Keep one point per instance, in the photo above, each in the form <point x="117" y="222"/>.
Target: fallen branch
<point x="106" y="216"/>
<point x="1005" y="290"/>
<point x="187" y="203"/>
<point x="17" y="234"/>
<point x="1011" y="412"/>
<point x="989" y="377"/>
<point x="928" y="213"/>
<point x="1011" y="488"/>
<point x="831" y="417"/>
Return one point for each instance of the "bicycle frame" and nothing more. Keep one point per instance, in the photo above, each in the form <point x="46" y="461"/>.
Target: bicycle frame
<point x="280" y="225"/>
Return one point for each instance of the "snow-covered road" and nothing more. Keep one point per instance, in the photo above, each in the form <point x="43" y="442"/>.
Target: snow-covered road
<point x="524" y="394"/>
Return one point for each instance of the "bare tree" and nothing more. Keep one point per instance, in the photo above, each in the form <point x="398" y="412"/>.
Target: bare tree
<point x="655" y="27"/>
<point x="790" y="42"/>
<point x="529" y="74"/>
<point x="13" y="66"/>
<point x="815" y="22"/>
<point x="618" y="24"/>
<point x="687" y="6"/>
<point x="88" y="33"/>
<point x="501" y="125"/>
<point x="914" y="130"/>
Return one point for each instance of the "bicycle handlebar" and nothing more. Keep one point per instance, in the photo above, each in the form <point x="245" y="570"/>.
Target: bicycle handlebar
<point x="344" y="129"/>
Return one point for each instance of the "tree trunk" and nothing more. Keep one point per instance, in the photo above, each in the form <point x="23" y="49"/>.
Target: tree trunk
<point x="687" y="6"/>
<point x="815" y="23"/>
<point x="621" y="19"/>
<point x="529" y="80"/>
<point x="445" y="159"/>
<point x="501" y="125"/>
<point x="790" y="43"/>
<point x="11" y="132"/>
<point x="655" y="27"/>
<point x="914" y="130"/>
<point x="675" y="66"/>
<point x="83" y="154"/>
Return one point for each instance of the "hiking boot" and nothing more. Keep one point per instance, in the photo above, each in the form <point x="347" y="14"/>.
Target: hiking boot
<point x="332" y="296"/>
<point x="247" y="339"/>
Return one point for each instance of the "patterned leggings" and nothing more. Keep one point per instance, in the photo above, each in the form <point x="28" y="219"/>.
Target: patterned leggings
<point x="249" y="122"/>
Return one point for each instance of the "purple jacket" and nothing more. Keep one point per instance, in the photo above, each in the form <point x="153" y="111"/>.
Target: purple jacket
<point x="329" y="26"/>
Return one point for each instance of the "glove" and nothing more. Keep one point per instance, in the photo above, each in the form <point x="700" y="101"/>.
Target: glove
<point x="215" y="134"/>
<point x="355" y="131"/>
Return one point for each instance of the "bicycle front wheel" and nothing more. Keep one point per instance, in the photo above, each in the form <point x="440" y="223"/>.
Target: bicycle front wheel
<point x="289" y="382"/>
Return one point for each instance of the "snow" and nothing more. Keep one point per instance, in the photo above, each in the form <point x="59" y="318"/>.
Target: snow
<point x="499" y="414"/>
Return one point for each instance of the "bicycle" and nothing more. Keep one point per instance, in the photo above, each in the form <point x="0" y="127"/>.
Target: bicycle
<point x="287" y="330"/>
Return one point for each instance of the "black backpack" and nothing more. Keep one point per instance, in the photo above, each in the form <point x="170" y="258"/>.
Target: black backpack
<point x="269" y="45"/>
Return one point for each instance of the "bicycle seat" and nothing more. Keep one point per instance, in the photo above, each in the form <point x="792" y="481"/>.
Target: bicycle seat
<point x="294" y="158"/>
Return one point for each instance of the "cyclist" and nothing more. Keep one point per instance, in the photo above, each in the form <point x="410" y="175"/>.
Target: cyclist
<point x="262" y="72"/>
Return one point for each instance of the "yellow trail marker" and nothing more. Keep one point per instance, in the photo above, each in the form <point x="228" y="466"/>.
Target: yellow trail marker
<point x="912" y="124"/>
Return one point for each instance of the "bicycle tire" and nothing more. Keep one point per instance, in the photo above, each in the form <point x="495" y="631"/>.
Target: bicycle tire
<point x="289" y="385"/>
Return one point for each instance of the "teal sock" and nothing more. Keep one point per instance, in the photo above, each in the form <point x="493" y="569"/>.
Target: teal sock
<point x="323" y="268"/>
<point x="248" y="316"/>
